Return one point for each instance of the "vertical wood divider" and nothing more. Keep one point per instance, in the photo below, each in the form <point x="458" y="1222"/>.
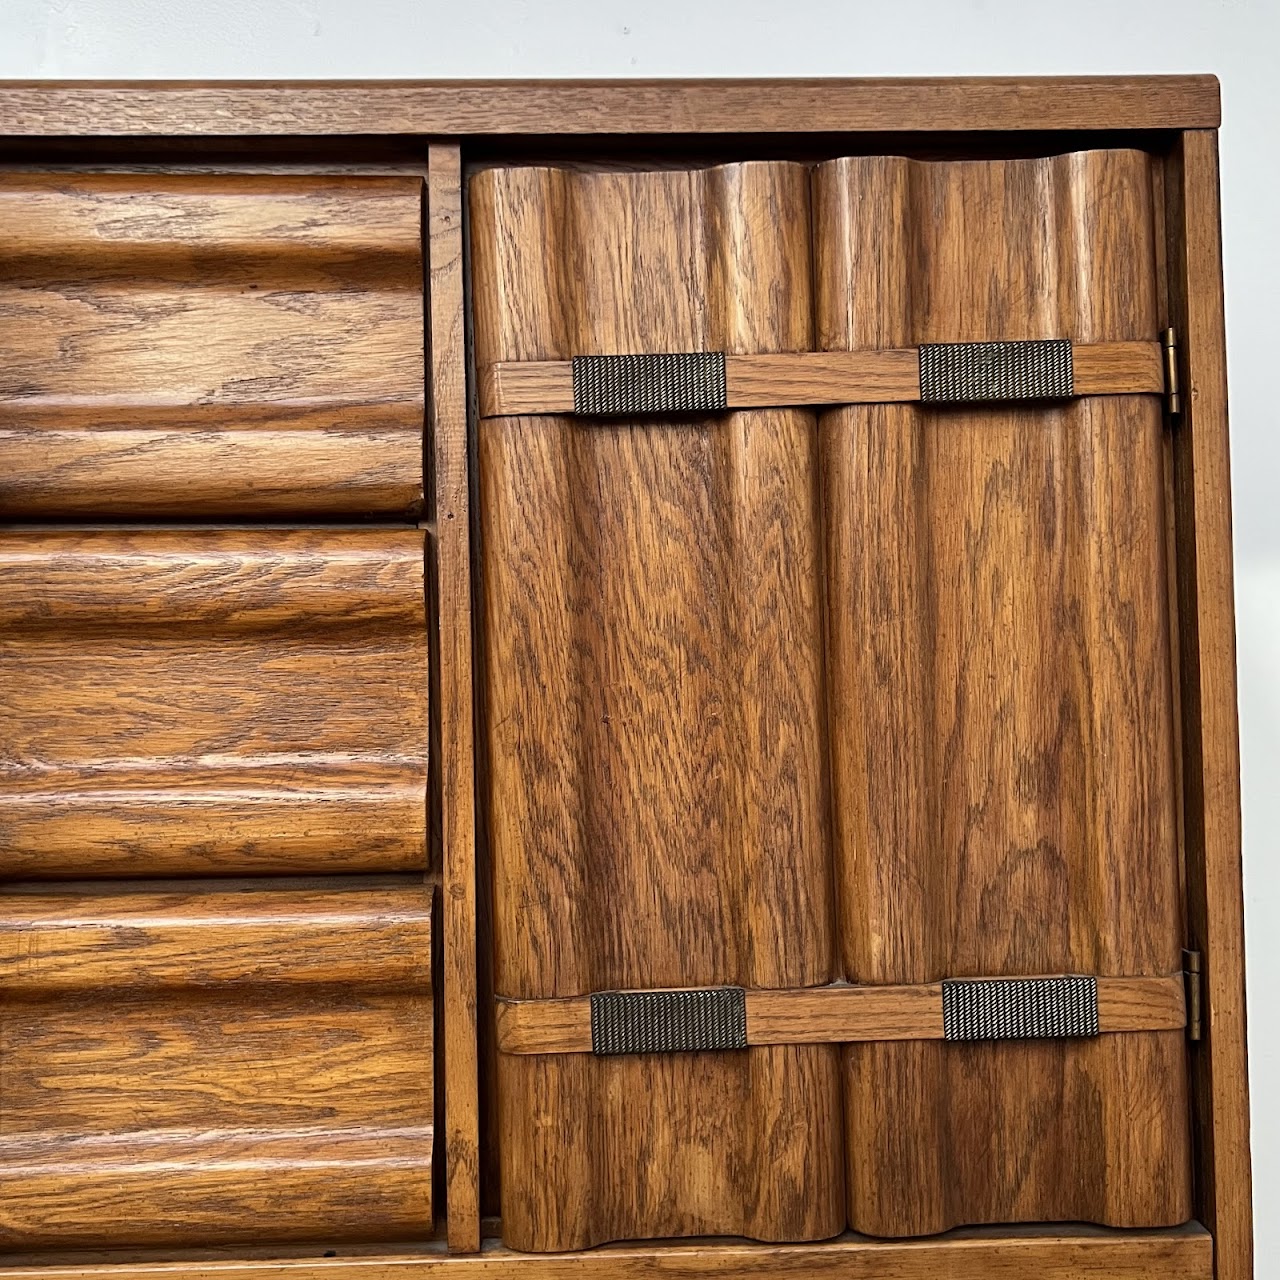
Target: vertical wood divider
<point x="448" y="408"/>
<point x="1211" y="754"/>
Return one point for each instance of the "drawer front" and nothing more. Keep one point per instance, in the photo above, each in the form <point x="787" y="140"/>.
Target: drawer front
<point x="782" y="698"/>
<point x="215" y="1066"/>
<point x="212" y="702"/>
<point x="199" y="345"/>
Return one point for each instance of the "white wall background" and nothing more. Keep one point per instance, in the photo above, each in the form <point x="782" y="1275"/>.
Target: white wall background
<point x="1239" y="40"/>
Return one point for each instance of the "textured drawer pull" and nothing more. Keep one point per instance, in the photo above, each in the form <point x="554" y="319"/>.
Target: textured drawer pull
<point x="676" y="382"/>
<point x="994" y="371"/>
<point x="668" y="1021"/>
<point x="1020" y="1008"/>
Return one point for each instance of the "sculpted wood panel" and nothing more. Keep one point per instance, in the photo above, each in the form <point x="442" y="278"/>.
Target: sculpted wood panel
<point x="210" y="345"/>
<point x="657" y="795"/>
<point x="1001" y="709"/>
<point x="212" y="702"/>
<point x="215" y="1067"/>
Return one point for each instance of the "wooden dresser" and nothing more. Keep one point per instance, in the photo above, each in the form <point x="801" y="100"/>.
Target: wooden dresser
<point x="617" y="679"/>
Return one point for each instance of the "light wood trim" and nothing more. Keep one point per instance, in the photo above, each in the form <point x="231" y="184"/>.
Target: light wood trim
<point x="984" y="1253"/>
<point x="458" y="108"/>
<point x="1117" y="368"/>
<point x="1211" y="753"/>
<point x="516" y="388"/>
<point x="511" y="388"/>
<point x="453" y="619"/>
<point x="837" y="1015"/>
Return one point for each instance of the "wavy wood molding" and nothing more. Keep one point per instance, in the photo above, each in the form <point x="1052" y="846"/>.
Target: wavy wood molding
<point x="256" y="1060"/>
<point x="838" y="1014"/>
<point x="212" y="702"/>
<point x="184" y="345"/>
<point x="519" y="388"/>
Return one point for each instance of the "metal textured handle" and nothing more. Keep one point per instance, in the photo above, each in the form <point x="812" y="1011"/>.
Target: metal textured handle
<point x="675" y="382"/>
<point x="668" y="1021"/>
<point x="1020" y="1008"/>
<point x="977" y="372"/>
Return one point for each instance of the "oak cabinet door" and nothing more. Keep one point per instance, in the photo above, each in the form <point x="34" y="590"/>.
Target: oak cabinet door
<point x="657" y="788"/>
<point x="1001" y="691"/>
<point x="861" y="698"/>
<point x="210" y="345"/>
<point x="211" y="1065"/>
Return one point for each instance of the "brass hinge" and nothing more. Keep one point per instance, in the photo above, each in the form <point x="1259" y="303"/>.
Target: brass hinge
<point x="1191" y="976"/>
<point x="1172" y="392"/>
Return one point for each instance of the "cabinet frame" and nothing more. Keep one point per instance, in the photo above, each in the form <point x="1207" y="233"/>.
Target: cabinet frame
<point x="442" y="127"/>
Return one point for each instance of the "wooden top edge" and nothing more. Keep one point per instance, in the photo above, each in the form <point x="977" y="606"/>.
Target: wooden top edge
<point x="98" y="108"/>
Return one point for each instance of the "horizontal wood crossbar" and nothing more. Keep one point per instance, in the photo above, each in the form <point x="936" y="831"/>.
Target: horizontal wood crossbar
<point x="838" y="1014"/>
<point x="518" y="388"/>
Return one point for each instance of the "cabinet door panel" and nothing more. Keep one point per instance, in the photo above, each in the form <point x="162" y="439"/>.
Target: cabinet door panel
<point x="212" y="702"/>
<point x="210" y="345"/>
<point x="214" y="1066"/>
<point x="657" y="795"/>
<point x="1002" y="721"/>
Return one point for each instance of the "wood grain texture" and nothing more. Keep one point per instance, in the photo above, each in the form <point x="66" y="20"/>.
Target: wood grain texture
<point x="817" y="377"/>
<point x="657" y="794"/>
<point x="56" y="942"/>
<point x="838" y="1015"/>
<point x="1043" y="1253"/>
<point x="443" y="108"/>
<point x="214" y="1067"/>
<point x="1211" y="756"/>
<point x="451" y="473"/>
<point x="210" y="345"/>
<point x="1001" y="711"/>
<point x="212" y="702"/>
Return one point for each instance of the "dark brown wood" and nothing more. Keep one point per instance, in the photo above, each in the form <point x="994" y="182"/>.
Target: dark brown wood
<point x="651" y="622"/>
<point x="817" y="377"/>
<point x="1211" y="753"/>
<point x="838" y="1015"/>
<point x="1001" y="714"/>
<point x="191" y="345"/>
<point x="214" y="1066"/>
<point x="457" y="777"/>
<point x="514" y="107"/>
<point x="212" y="702"/>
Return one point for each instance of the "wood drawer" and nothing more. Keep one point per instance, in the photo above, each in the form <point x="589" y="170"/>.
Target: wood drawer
<point x="192" y="345"/>
<point x="214" y="1065"/>
<point x="212" y="702"/>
